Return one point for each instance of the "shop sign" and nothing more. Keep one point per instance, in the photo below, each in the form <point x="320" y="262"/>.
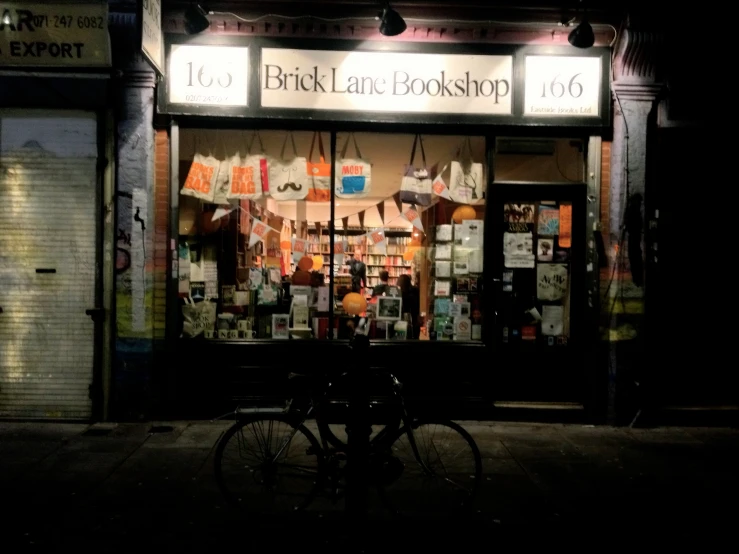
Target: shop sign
<point x="54" y="35"/>
<point x="152" y="44"/>
<point x="562" y="86"/>
<point x="386" y="81"/>
<point x="208" y="75"/>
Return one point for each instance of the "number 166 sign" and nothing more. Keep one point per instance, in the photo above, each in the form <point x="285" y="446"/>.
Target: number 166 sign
<point x="562" y="86"/>
<point x="208" y="75"/>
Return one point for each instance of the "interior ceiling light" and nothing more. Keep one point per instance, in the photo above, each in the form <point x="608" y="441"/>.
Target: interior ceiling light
<point x="582" y="36"/>
<point x="195" y="20"/>
<point x="391" y="23"/>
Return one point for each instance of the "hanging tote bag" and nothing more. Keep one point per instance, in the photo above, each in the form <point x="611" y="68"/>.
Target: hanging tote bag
<point x="319" y="174"/>
<point x="201" y="178"/>
<point x="353" y="175"/>
<point x="263" y="162"/>
<point x="288" y="177"/>
<point x="220" y="196"/>
<point x="466" y="177"/>
<point x="245" y="176"/>
<point x="416" y="185"/>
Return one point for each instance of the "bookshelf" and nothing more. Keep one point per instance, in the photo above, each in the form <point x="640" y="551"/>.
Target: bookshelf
<point x="396" y="243"/>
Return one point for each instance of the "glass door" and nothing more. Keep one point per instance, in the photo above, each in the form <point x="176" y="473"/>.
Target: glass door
<point x="538" y="252"/>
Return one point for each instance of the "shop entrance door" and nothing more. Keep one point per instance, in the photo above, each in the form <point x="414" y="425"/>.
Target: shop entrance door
<point x="538" y="253"/>
<point x="48" y="263"/>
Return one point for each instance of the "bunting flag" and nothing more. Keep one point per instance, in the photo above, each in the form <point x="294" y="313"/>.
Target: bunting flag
<point x="381" y="210"/>
<point x="398" y="202"/>
<point x="259" y="230"/>
<point x="222" y="211"/>
<point x="411" y="215"/>
<point x="299" y="248"/>
<point x="376" y="238"/>
<point x="340" y="247"/>
<point x="345" y="223"/>
<point x="361" y="219"/>
<point x="439" y="186"/>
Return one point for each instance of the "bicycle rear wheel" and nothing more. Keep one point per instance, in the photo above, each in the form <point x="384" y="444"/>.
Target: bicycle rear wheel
<point x="440" y="477"/>
<point x="265" y="464"/>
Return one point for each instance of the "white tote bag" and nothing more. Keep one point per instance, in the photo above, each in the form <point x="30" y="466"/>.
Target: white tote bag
<point x="288" y="177"/>
<point x="466" y="176"/>
<point x="201" y="178"/>
<point x="245" y="178"/>
<point x="353" y="175"/>
<point x="416" y="185"/>
<point x="221" y="190"/>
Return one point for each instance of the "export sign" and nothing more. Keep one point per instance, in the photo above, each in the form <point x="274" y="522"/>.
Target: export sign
<point x="54" y="35"/>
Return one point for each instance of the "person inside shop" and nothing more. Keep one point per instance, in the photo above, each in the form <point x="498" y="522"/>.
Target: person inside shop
<point x="358" y="271"/>
<point x="411" y="304"/>
<point x="383" y="289"/>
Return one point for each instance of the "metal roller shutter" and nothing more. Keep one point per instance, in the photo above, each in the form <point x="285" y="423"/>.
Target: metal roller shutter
<point x="48" y="263"/>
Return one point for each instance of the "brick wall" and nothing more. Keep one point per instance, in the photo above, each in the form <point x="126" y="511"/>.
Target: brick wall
<point x="161" y="227"/>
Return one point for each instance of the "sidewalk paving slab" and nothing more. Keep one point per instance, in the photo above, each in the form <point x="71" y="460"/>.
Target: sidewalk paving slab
<point x="107" y="488"/>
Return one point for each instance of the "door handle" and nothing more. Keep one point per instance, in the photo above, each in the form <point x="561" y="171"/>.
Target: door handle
<point x="96" y="314"/>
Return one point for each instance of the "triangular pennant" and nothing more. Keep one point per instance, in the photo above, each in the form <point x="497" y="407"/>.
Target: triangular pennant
<point x="259" y="230"/>
<point x="345" y="223"/>
<point x="361" y="219"/>
<point x="222" y="211"/>
<point x="299" y="248"/>
<point x="381" y="210"/>
<point x="398" y="202"/>
<point x="412" y="216"/>
<point x="439" y="186"/>
<point x="376" y="238"/>
<point x="340" y="247"/>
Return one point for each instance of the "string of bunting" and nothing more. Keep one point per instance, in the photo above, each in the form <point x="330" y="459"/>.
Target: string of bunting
<point x="411" y="215"/>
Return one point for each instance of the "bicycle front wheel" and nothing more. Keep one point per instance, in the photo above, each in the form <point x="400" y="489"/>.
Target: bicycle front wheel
<point x="267" y="465"/>
<point x="431" y="469"/>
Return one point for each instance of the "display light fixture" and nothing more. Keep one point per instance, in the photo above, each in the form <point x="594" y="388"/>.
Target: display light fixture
<point x="582" y="36"/>
<point x="391" y="23"/>
<point x="195" y="20"/>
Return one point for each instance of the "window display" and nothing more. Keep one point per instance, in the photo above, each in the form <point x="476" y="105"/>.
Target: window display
<point x="256" y="238"/>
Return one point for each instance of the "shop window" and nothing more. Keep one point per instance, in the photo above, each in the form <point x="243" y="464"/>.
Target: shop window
<point x="413" y="234"/>
<point x="254" y="213"/>
<point x="539" y="160"/>
<point x="255" y="253"/>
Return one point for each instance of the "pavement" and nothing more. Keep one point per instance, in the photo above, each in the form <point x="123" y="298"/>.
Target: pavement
<point x="134" y="487"/>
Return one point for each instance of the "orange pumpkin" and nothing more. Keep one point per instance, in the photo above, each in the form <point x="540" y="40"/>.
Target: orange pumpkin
<point x="305" y="263"/>
<point x="301" y="278"/>
<point x="354" y="303"/>
<point x="207" y="225"/>
<point x="317" y="263"/>
<point x="464" y="212"/>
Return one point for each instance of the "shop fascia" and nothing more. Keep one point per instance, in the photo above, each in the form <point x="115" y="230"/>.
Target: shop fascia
<point x="519" y="86"/>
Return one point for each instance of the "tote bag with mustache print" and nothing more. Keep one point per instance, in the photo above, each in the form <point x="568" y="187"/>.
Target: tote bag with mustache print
<point x="288" y="177"/>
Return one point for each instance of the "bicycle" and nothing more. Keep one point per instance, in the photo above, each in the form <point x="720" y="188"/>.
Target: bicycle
<point x="290" y="466"/>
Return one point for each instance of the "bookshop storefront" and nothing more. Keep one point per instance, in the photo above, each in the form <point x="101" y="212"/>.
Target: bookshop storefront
<point x="438" y="192"/>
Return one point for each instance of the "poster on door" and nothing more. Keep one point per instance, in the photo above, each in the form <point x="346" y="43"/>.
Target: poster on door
<point x="551" y="281"/>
